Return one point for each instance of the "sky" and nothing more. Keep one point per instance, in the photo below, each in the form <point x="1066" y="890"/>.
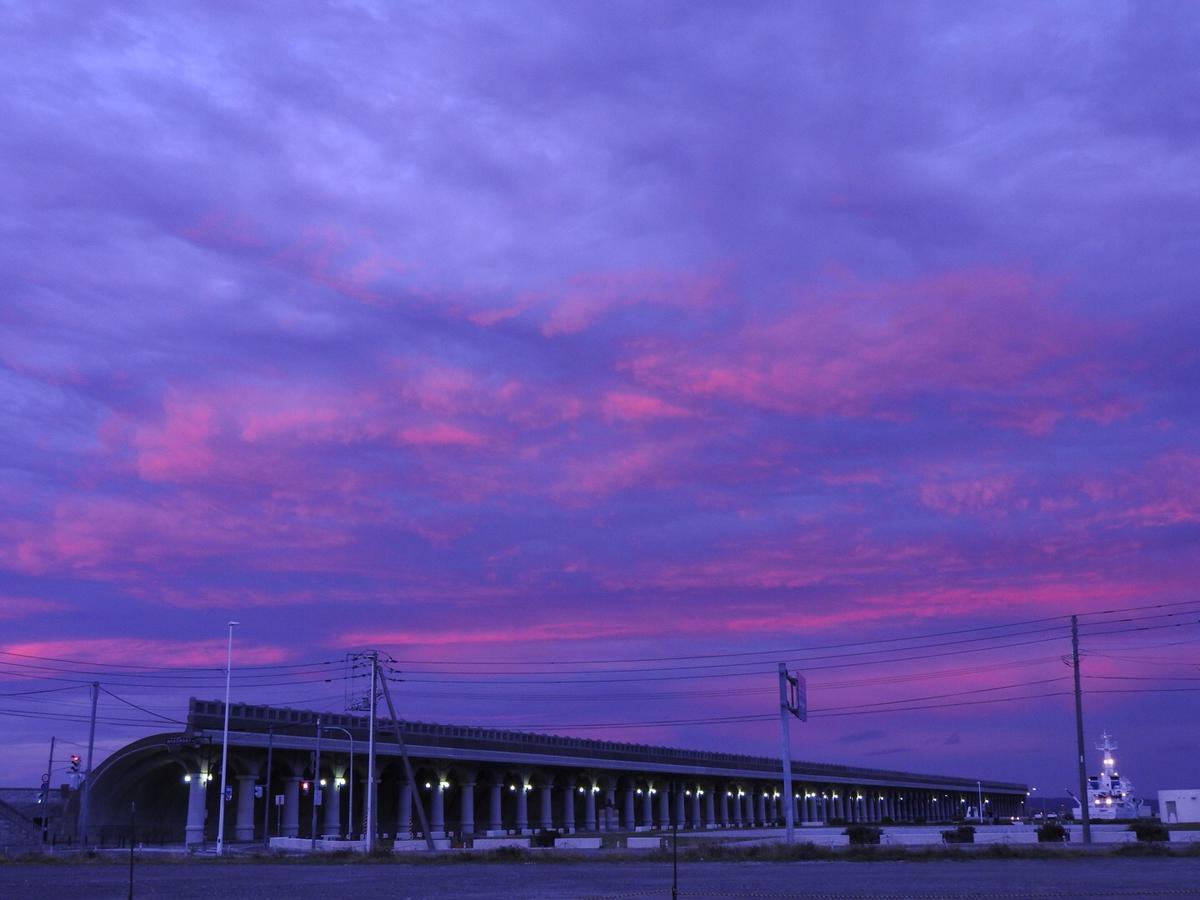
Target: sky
<point x="590" y="359"/>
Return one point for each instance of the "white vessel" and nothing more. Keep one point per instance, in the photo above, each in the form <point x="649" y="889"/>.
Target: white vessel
<point x="1110" y="795"/>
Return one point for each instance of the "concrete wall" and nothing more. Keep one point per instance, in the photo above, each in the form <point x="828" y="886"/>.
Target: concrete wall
<point x="1179" y="805"/>
<point x="17" y="833"/>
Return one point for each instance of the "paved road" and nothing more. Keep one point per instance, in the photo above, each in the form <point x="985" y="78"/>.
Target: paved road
<point x="1097" y="878"/>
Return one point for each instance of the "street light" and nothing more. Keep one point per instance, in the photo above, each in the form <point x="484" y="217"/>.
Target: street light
<point x="350" y="812"/>
<point x="225" y="743"/>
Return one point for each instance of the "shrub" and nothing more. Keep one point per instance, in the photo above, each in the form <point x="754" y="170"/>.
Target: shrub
<point x="543" y="839"/>
<point x="863" y="834"/>
<point x="1051" y="833"/>
<point x="963" y="834"/>
<point x="1150" y="831"/>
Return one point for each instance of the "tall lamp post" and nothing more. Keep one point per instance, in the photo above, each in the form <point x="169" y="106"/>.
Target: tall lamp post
<point x="350" y="777"/>
<point x="225" y="743"/>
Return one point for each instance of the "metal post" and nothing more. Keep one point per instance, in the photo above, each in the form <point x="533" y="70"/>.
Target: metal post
<point x="1083" y="783"/>
<point x="408" y="769"/>
<point x="46" y="793"/>
<point x="225" y="744"/>
<point x="132" y="841"/>
<point x="316" y="788"/>
<point x="371" y="759"/>
<point x="674" y="847"/>
<point x="979" y="788"/>
<point x="268" y="798"/>
<point x="785" y="726"/>
<point x="85" y="800"/>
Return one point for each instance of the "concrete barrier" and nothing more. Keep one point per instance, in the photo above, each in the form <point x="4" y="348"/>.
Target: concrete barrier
<point x="495" y="843"/>
<point x="1184" y="837"/>
<point x="911" y="838"/>
<point x="825" y="840"/>
<point x="304" y="845"/>
<point x="1106" y="837"/>
<point x="577" y="843"/>
<point x="1006" y="837"/>
<point x="643" y="843"/>
<point x="409" y="846"/>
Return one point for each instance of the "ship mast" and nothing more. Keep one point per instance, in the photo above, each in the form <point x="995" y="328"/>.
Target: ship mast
<point x="1107" y="745"/>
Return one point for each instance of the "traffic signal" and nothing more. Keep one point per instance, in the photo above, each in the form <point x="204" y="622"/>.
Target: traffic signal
<point x="74" y="764"/>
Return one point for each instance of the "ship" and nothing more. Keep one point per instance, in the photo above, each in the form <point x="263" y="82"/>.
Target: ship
<point x="1110" y="794"/>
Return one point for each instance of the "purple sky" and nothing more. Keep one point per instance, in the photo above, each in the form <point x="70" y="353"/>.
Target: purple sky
<point x="522" y="332"/>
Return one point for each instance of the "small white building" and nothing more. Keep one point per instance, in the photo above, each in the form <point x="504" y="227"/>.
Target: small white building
<point x="1179" y="806"/>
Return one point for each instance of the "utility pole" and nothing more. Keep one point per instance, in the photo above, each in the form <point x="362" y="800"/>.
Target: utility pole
<point x="674" y="843"/>
<point x="408" y="769"/>
<point x="1083" y="782"/>
<point x="46" y="786"/>
<point x="793" y="700"/>
<point x="268" y="798"/>
<point x="317" y="798"/>
<point x="225" y="745"/>
<point x="85" y="800"/>
<point x="374" y="656"/>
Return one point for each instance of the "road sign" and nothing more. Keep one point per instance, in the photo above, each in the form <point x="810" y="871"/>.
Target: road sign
<point x="45" y="778"/>
<point x="797" y="700"/>
<point x="800" y="697"/>
<point x="279" y="799"/>
<point x="228" y="792"/>
<point x="259" y="790"/>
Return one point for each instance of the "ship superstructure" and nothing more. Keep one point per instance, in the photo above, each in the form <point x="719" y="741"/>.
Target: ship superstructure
<point x="1110" y="795"/>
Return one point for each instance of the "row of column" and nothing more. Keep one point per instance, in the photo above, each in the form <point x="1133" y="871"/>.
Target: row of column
<point x="541" y="803"/>
<point x="242" y="819"/>
<point x="569" y="803"/>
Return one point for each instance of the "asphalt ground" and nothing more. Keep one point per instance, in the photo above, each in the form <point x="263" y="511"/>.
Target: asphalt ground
<point x="1010" y="879"/>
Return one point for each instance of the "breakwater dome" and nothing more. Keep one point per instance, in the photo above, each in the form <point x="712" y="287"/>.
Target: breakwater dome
<point x="481" y="780"/>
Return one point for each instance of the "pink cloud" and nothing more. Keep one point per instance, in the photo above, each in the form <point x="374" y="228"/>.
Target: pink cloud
<point x="178" y="447"/>
<point x="580" y="302"/>
<point x="632" y="407"/>
<point x="871" y="350"/>
<point x="959" y="496"/>
<point x="440" y="434"/>
<point x="148" y="651"/>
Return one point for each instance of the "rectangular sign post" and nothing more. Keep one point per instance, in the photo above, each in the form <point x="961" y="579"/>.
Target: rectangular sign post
<point x="793" y="699"/>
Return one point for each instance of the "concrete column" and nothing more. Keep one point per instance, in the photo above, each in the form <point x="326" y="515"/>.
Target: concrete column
<point x="664" y="807"/>
<point x="404" y="811"/>
<point x="522" y="824"/>
<point x="628" y="819"/>
<point x="496" y="805"/>
<point x="546" y="796"/>
<point x="610" y="804"/>
<point x="437" y="815"/>
<point x="568" y="793"/>
<point x="710" y="812"/>
<point x="244" y="829"/>
<point x="291" y="806"/>
<point x="467" y="814"/>
<point x="737" y="798"/>
<point x="722" y="792"/>
<point x="647" y="808"/>
<point x="332" y="800"/>
<point x="589" y="810"/>
<point x="197" y="811"/>
<point x="760" y="806"/>
<point x="680" y="808"/>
